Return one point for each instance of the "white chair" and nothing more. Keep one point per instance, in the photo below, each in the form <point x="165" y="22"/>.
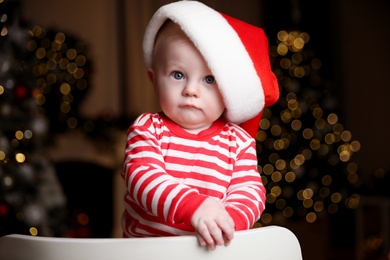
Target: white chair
<point x="272" y="242"/>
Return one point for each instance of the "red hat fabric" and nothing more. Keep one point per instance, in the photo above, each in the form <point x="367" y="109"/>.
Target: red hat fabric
<point x="236" y="53"/>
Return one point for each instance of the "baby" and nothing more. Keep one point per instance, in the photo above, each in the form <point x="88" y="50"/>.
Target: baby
<point x="192" y="168"/>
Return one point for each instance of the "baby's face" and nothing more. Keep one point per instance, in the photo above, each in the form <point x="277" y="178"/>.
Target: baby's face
<point x="187" y="90"/>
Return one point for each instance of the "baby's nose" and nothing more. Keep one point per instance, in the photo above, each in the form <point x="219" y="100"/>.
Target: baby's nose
<point x="191" y="89"/>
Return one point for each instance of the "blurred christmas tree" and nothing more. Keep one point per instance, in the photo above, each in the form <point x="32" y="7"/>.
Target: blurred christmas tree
<point x="304" y="151"/>
<point x="31" y="200"/>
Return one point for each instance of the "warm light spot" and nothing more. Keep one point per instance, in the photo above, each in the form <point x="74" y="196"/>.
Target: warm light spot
<point x="286" y="116"/>
<point x="71" y="54"/>
<point x="288" y="212"/>
<point x="65" y="88"/>
<point x="67" y="98"/>
<point x="20" y="158"/>
<point x="307" y="193"/>
<point x="280" y="164"/>
<point x="278" y="145"/>
<point x="324" y="192"/>
<point x="352" y="167"/>
<point x="282" y="36"/>
<point x="1" y="89"/>
<point x="330" y="138"/>
<point x="79" y="73"/>
<point x="315" y="144"/>
<point x="292" y="104"/>
<point x="307" y="203"/>
<point x="319" y="206"/>
<point x="276" y="176"/>
<point x="63" y="64"/>
<point x="81" y="60"/>
<point x="268" y="169"/>
<point x="355" y="146"/>
<point x="285" y="63"/>
<point x="266" y="218"/>
<point x="300" y="195"/>
<point x="19" y="135"/>
<point x="345" y="156"/>
<point x="4" y="31"/>
<point x="65" y="107"/>
<point x="33" y="231"/>
<point x="326" y="180"/>
<point x="276" y="130"/>
<point x="317" y="112"/>
<point x="274" y="157"/>
<point x="59" y="38"/>
<point x="261" y="136"/>
<point x="276" y="190"/>
<point x="307" y="133"/>
<point x="40" y="99"/>
<point x="264" y="124"/>
<point x="290" y="177"/>
<point x="299" y="72"/>
<point x="282" y="49"/>
<point x="332" y="118"/>
<point x="298" y="44"/>
<point x="353" y="178"/>
<point x="311" y="217"/>
<point x="346" y="136"/>
<point x="352" y="202"/>
<point x="271" y="198"/>
<point x="40" y="53"/>
<point x="338" y="128"/>
<point x="72" y="122"/>
<point x="296" y="124"/>
<point x="299" y="159"/>
<point x="336" y="197"/>
<point x="72" y="68"/>
<point x="320" y="123"/>
<point x="2" y="155"/>
<point x="296" y="113"/>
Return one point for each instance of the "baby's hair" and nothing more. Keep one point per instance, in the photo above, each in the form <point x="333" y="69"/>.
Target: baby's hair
<point x="169" y="30"/>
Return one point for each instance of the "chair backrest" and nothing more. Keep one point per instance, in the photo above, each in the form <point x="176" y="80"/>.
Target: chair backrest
<point x="272" y="242"/>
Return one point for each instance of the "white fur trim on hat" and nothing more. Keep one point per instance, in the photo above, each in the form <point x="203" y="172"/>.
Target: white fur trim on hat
<point x="222" y="50"/>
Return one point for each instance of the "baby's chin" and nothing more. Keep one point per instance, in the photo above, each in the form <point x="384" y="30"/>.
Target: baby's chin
<point x="194" y="128"/>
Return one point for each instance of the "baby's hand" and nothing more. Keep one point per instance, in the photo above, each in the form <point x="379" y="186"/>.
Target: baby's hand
<point x="213" y="224"/>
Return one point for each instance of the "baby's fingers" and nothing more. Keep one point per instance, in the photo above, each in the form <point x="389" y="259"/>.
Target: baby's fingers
<point x="205" y="238"/>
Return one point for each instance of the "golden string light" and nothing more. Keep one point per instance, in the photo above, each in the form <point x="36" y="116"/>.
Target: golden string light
<point x="302" y="145"/>
<point x="62" y="70"/>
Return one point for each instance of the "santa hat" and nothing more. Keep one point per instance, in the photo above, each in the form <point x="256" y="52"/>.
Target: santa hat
<point x="235" y="52"/>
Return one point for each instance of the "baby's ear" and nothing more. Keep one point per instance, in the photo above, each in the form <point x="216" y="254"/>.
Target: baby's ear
<point x="151" y="74"/>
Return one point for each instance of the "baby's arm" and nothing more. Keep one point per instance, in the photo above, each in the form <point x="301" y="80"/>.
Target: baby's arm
<point x="245" y="199"/>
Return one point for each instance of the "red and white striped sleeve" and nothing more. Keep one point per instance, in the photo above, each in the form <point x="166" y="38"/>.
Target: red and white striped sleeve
<point x="245" y="199"/>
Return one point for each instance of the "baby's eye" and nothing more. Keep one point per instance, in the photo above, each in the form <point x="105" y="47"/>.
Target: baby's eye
<point x="209" y="79"/>
<point x="177" y="75"/>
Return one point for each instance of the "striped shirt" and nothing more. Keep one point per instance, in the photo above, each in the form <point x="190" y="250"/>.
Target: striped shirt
<point x="169" y="172"/>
